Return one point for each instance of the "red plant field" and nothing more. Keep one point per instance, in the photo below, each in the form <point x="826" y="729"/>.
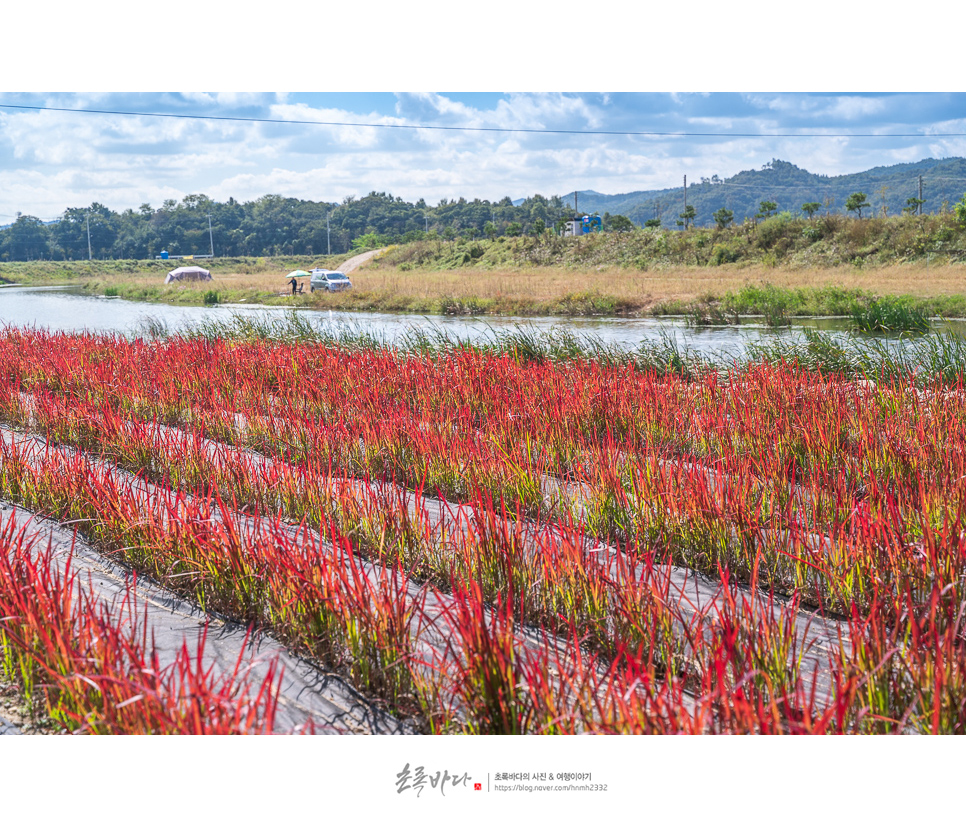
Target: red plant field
<point x="484" y="543"/>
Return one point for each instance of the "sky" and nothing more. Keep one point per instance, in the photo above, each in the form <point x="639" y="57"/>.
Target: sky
<point x="274" y="143"/>
<point x="479" y="143"/>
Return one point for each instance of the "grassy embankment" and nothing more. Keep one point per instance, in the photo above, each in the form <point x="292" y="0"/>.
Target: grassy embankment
<point x="255" y="280"/>
<point x="776" y="268"/>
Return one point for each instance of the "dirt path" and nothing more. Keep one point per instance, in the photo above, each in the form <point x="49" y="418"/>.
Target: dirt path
<point x="358" y="260"/>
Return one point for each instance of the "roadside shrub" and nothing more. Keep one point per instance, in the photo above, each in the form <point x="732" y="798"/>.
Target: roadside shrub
<point x="724" y="254"/>
<point x="857" y="233"/>
<point x="942" y="235"/>
<point x="913" y="245"/>
<point x="831" y="223"/>
<point x="772" y="231"/>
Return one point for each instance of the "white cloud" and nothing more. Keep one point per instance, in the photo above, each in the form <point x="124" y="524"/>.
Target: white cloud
<point x="51" y="160"/>
<point x="855" y="107"/>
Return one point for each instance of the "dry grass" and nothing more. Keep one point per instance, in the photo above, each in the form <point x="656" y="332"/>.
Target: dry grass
<point x="231" y="286"/>
<point x="674" y="283"/>
<point x="541" y="289"/>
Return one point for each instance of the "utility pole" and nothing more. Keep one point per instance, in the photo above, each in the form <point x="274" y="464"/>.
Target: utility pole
<point x="685" y="200"/>
<point x="919" y="206"/>
<point x="90" y="257"/>
<point x="211" y="239"/>
<point x="575" y="204"/>
<point x="328" y="238"/>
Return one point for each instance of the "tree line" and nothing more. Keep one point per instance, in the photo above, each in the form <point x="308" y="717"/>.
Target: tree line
<point x="276" y="225"/>
<point x="270" y="225"/>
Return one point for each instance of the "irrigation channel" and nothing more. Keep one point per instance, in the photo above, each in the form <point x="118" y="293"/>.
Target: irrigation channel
<point x="68" y="309"/>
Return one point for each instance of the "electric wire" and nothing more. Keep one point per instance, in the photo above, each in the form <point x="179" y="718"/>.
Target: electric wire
<point x="543" y="130"/>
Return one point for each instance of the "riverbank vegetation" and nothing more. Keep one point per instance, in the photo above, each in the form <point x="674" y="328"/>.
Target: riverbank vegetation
<point x="924" y="361"/>
<point x="777" y="267"/>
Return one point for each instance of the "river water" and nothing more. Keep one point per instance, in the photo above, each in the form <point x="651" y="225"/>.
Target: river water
<point x="67" y="309"/>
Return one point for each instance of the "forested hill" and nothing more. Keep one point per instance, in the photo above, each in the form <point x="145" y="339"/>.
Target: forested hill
<point x="278" y="225"/>
<point x="887" y="190"/>
<point x="270" y="225"/>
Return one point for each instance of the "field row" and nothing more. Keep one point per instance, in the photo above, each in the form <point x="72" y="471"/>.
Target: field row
<point x="818" y="499"/>
<point x="529" y="530"/>
<point x="396" y="640"/>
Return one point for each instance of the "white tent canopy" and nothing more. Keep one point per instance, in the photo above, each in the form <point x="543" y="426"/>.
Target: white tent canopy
<point x="188" y="273"/>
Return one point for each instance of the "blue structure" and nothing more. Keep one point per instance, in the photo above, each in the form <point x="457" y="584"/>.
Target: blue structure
<point x="582" y="225"/>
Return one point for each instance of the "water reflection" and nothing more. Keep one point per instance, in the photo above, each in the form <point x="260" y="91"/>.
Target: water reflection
<point x="68" y="309"/>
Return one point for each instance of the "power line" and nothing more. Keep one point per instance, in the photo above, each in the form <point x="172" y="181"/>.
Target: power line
<point x="667" y="134"/>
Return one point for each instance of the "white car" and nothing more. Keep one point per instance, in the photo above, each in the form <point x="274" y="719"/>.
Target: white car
<point x="329" y="280"/>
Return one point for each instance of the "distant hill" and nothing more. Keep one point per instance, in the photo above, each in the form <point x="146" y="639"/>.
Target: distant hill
<point x="787" y="185"/>
<point x="277" y="225"/>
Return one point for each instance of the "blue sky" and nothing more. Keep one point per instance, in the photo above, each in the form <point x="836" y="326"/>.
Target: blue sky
<point x="52" y="159"/>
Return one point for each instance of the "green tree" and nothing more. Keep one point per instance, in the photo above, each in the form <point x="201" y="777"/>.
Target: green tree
<point x="652" y="223"/>
<point x="513" y="229"/>
<point x="103" y="225"/>
<point x="619" y="223"/>
<point x="765" y="209"/>
<point x="723" y="217"/>
<point x="687" y="216"/>
<point x="370" y="240"/>
<point x="856" y="202"/>
<point x="27" y="239"/>
<point x="70" y="234"/>
<point x="961" y="211"/>
<point x="810" y="209"/>
<point x="913" y="206"/>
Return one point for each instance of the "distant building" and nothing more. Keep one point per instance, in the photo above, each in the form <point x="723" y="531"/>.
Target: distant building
<point x="581" y="225"/>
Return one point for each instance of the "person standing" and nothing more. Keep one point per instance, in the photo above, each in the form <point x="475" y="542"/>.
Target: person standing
<point x="295" y="285"/>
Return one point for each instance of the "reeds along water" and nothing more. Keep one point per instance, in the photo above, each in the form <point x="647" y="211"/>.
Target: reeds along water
<point x="938" y="358"/>
<point x="922" y="359"/>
